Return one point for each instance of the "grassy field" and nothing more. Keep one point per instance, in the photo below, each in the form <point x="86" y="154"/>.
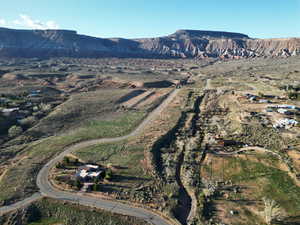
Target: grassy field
<point x="110" y="154"/>
<point x="19" y="179"/>
<point x="132" y="160"/>
<point x="261" y="176"/>
<point x="52" y="212"/>
<point x="48" y="221"/>
<point x="127" y="162"/>
<point x="274" y="184"/>
<point x="83" y="110"/>
<point x="110" y="128"/>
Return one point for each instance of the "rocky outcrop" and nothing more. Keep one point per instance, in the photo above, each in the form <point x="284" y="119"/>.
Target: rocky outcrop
<point x="181" y="44"/>
<point x="201" y="44"/>
<point x="275" y="47"/>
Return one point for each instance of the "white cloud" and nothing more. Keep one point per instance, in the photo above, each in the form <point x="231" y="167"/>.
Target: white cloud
<point x="2" y="22"/>
<point x="17" y="22"/>
<point x="27" y="22"/>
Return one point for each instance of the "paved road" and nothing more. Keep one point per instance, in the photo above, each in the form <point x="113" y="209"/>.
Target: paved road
<point x="47" y="190"/>
<point x="20" y="204"/>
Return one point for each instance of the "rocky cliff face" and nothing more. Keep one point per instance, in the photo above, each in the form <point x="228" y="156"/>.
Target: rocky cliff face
<point x="186" y="43"/>
<point x="182" y="44"/>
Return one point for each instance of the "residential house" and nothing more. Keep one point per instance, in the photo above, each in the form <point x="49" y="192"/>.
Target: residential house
<point x="90" y="172"/>
<point x="285" y="123"/>
<point x="10" y="111"/>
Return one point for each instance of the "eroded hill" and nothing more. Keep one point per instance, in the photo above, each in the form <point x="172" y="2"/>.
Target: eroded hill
<point x="181" y="44"/>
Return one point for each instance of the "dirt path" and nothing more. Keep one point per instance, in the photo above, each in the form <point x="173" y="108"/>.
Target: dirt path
<point x="11" y="164"/>
<point x="208" y="85"/>
<point x="47" y="190"/>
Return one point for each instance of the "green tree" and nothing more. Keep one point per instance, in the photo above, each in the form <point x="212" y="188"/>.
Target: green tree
<point x="66" y="160"/>
<point x="78" y="184"/>
<point x="76" y="161"/>
<point x="108" y="174"/>
<point x="95" y="180"/>
<point x="58" y="165"/>
<point x="28" y="121"/>
<point x="293" y="95"/>
<point x="96" y="187"/>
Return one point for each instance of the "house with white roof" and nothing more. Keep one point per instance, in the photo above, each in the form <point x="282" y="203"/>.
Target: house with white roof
<point x="285" y="123"/>
<point x="90" y="172"/>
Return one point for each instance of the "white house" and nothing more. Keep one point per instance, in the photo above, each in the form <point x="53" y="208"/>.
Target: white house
<point x="285" y="123"/>
<point x="90" y="172"/>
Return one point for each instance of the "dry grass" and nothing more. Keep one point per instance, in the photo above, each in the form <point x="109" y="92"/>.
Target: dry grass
<point x="19" y="179"/>
<point x="52" y="212"/>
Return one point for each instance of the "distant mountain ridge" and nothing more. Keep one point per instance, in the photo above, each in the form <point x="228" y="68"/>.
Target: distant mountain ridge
<point x="181" y="44"/>
<point x="207" y="34"/>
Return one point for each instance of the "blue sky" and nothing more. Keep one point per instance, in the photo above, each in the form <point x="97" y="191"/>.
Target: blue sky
<point x="151" y="18"/>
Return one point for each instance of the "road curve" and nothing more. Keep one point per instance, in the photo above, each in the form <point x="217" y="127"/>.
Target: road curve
<point x="47" y="190"/>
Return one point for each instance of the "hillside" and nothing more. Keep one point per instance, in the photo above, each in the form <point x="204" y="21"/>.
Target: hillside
<point x="181" y="44"/>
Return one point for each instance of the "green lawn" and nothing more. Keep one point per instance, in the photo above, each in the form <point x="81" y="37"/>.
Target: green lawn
<point x="122" y="125"/>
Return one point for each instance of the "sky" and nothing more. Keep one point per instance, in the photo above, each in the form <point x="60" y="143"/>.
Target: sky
<point x="153" y="18"/>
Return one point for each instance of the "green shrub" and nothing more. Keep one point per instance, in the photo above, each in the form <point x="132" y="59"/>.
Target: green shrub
<point x="78" y="184"/>
<point x="108" y="174"/>
<point x="294" y="95"/>
<point x="28" y="121"/>
<point x="66" y="160"/>
<point x="15" y="131"/>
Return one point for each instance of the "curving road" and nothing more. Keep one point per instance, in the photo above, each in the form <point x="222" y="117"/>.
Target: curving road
<point x="46" y="189"/>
